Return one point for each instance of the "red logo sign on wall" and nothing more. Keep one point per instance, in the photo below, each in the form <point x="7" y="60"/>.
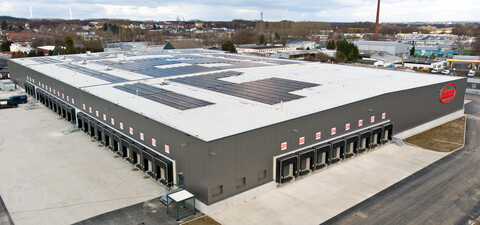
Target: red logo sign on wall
<point x="318" y="135"/>
<point x="301" y="141"/>
<point x="284" y="146"/>
<point x="333" y="131"/>
<point x="448" y="93"/>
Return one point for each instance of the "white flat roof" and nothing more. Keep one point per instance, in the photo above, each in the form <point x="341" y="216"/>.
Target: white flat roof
<point x="336" y="85"/>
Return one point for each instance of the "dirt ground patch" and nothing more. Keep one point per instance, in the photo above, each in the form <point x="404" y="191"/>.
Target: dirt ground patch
<point x="205" y="220"/>
<point x="444" y="138"/>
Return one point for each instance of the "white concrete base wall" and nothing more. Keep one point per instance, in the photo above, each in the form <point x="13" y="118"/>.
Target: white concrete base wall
<point x="430" y="125"/>
<point x="227" y="203"/>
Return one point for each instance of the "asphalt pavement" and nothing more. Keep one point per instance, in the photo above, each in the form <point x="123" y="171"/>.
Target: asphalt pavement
<point x="446" y="192"/>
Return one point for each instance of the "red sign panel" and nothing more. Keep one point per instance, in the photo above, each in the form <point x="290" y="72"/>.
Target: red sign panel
<point x="301" y="141"/>
<point x="347" y="126"/>
<point x="284" y="146"/>
<point x="154" y="142"/>
<point x="384" y="115"/>
<point x="318" y="135"/>
<point x="131" y="131"/>
<point x="142" y="137"/>
<point x="372" y="119"/>
<point x="448" y="93"/>
<point x="360" y="123"/>
<point x="167" y="149"/>
<point x="334" y="131"/>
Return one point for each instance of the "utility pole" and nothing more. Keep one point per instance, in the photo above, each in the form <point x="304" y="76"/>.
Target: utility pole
<point x="376" y="23"/>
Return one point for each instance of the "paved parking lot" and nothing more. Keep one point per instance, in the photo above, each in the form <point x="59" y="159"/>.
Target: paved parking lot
<point x="51" y="177"/>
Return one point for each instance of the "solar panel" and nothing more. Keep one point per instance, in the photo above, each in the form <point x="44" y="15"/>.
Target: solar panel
<point x="163" y="96"/>
<point x="45" y="60"/>
<point x="269" y="91"/>
<point x="93" y="73"/>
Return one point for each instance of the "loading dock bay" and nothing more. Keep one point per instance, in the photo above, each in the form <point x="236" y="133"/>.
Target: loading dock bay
<point x="297" y="164"/>
<point x="154" y="165"/>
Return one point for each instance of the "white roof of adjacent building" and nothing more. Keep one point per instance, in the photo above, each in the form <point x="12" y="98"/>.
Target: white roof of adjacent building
<point x="227" y="115"/>
<point x="379" y="43"/>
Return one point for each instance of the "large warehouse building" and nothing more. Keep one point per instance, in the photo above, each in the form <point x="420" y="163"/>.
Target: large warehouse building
<point x="224" y="124"/>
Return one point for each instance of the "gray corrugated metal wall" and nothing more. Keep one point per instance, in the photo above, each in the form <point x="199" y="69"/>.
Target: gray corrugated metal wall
<point x="247" y="154"/>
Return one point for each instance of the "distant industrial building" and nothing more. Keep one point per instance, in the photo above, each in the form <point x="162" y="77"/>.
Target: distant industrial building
<point x="392" y="48"/>
<point x="261" y="49"/>
<point x="464" y="63"/>
<point x="224" y="125"/>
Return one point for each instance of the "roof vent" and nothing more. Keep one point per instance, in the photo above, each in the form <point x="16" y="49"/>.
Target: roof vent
<point x="122" y="57"/>
<point x="84" y="62"/>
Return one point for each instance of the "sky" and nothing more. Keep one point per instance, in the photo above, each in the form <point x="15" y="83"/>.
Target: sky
<point x="273" y="10"/>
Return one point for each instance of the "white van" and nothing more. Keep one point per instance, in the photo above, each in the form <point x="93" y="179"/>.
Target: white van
<point x="471" y="73"/>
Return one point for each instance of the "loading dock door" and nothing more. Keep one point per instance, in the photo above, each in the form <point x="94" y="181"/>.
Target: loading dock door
<point x="116" y="141"/>
<point x="376" y="137"/>
<point x="125" y="153"/>
<point x="352" y="146"/>
<point x="72" y="111"/>
<point x="286" y="168"/>
<point x="64" y="110"/>
<point x="147" y="162"/>
<point x="136" y="155"/>
<point x="93" y="124"/>
<point x="107" y="137"/>
<point x="80" y="122"/>
<point x="86" y="126"/>
<point x="323" y="156"/>
<point x="55" y="105"/>
<point x="99" y="136"/>
<point x="338" y="150"/>
<point x="387" y="132"/>
<point x="163" y="170"/>
<point x="306" y="162"/>
<point x="59" y="107"/>
<point x="365" y="141"/>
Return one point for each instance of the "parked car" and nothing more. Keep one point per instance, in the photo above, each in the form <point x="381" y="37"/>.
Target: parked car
<point x="446" y="72"/>
<point x="435" y="70"/>
<point x="471" y="73"/>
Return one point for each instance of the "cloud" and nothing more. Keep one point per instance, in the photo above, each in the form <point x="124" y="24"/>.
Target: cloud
<point x="324" y="10"/>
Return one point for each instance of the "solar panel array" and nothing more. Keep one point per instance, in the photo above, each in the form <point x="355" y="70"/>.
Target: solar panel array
<point x="250" y="58"/>
<point x="269" y="91"/>
<point x="147" y="67"/>
<point x="92" y="57"/>
<point x="163" y="96"/>
<point x="93" y="73"/>
<point x="45" y="60"/>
